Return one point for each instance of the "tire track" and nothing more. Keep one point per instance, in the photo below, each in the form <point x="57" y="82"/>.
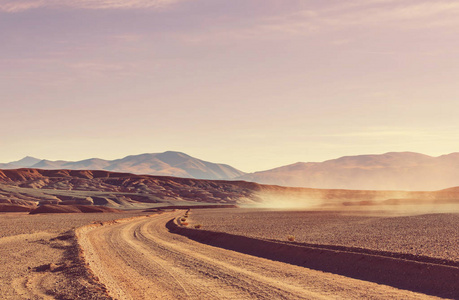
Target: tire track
<point x="414" y="274"/>
<point x="141" y="259"/>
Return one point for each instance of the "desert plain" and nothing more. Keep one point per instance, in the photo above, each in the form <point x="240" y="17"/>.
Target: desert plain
<point x="102" y="235"/>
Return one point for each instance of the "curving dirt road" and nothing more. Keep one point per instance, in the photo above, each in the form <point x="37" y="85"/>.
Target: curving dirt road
<point x="141" y="259"/>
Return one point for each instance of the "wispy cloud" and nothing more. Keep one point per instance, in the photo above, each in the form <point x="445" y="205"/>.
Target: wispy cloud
<point x="13" y="6"/>
<point x="378" y="13"/>
<point x="400" y="132"/>
<point x="98" y="69"/>
<point x="403" y="14"/>
<point x="322" y="20"/>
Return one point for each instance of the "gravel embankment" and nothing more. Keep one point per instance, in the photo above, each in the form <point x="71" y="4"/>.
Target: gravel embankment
<point x="432" y="235"/>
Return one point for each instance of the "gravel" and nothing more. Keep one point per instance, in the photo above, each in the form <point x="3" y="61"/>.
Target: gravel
<point x="432" y="235"/>
<point x="22" y="223"/>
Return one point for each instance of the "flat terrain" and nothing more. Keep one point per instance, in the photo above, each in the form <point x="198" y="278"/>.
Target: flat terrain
<point x="141" y="259"/>
<point x="432" y="235"/>
<point x="39" y="256"/>
<point x="12" y="224"/>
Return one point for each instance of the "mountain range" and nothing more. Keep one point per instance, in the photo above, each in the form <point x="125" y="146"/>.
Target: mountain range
<point x="389" y="171"/>
<point x="169" y="163"/>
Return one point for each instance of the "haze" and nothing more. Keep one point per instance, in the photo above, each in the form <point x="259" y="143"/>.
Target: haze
<point x="255" y="84"/>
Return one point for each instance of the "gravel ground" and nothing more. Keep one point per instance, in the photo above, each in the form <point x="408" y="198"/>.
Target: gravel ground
<point x="40" y="260"/>
<point x="143" y="260"/>
<point x="433" y="235"/>
<point x="23" y="223"/>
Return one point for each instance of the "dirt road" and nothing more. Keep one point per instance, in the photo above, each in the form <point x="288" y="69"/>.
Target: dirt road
<point x="39" y="257"/>
<point x="141" y="259"/>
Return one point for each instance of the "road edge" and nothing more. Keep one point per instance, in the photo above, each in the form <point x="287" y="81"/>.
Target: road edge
<point x="417" y="276"/>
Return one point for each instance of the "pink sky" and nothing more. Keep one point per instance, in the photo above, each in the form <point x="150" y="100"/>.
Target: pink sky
<point x="253" y="83"/>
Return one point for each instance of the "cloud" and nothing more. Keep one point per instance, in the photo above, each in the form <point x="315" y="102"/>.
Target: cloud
<point x="387" y="14"/>
<point x="14" y="6"/>
<point x="402" y="15"/>
<point x="325" y="20"/>
<point x="401" y="132"/>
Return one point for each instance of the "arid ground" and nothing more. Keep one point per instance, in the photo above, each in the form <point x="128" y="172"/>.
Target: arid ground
<point x="430" y="235"/>
<point x="143" y="260"/>
<point x="142" y="257"/>
<point x="40" y="258"/>
<point x="344" y="245"/>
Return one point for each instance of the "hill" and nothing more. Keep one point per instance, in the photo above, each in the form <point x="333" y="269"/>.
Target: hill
<point x="169" y="163"/>
<point x="32" y="187"/>
<point x="390" y="171"/>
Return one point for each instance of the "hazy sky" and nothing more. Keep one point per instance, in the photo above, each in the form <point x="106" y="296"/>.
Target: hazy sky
<point x="253" y="83"/>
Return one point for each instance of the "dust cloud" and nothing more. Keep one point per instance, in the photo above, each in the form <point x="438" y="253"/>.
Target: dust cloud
<point x="385" y="202"/>
<point x="287" y="201"/>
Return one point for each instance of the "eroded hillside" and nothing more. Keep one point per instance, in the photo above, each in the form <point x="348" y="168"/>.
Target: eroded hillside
<point x="32" y="187"/>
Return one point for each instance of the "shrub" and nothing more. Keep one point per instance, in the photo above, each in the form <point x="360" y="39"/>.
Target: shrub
<point x="197" y="226"/>
<point x="291" y="238"/>
<point x="183" y="219"/>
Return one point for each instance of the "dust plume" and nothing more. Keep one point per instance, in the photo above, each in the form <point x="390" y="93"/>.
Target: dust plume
<point x="392" y="202"/>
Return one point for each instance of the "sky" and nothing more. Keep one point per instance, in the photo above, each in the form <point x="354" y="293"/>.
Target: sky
<point x="256" y="84"/>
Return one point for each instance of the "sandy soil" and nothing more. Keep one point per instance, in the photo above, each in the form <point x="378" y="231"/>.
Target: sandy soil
<point x="23" y="223"/>
<point x="432" y="235"/>
<point x="40" y="257"/>
<point x="141" y="259"/>
<point x="138" y="258"/>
